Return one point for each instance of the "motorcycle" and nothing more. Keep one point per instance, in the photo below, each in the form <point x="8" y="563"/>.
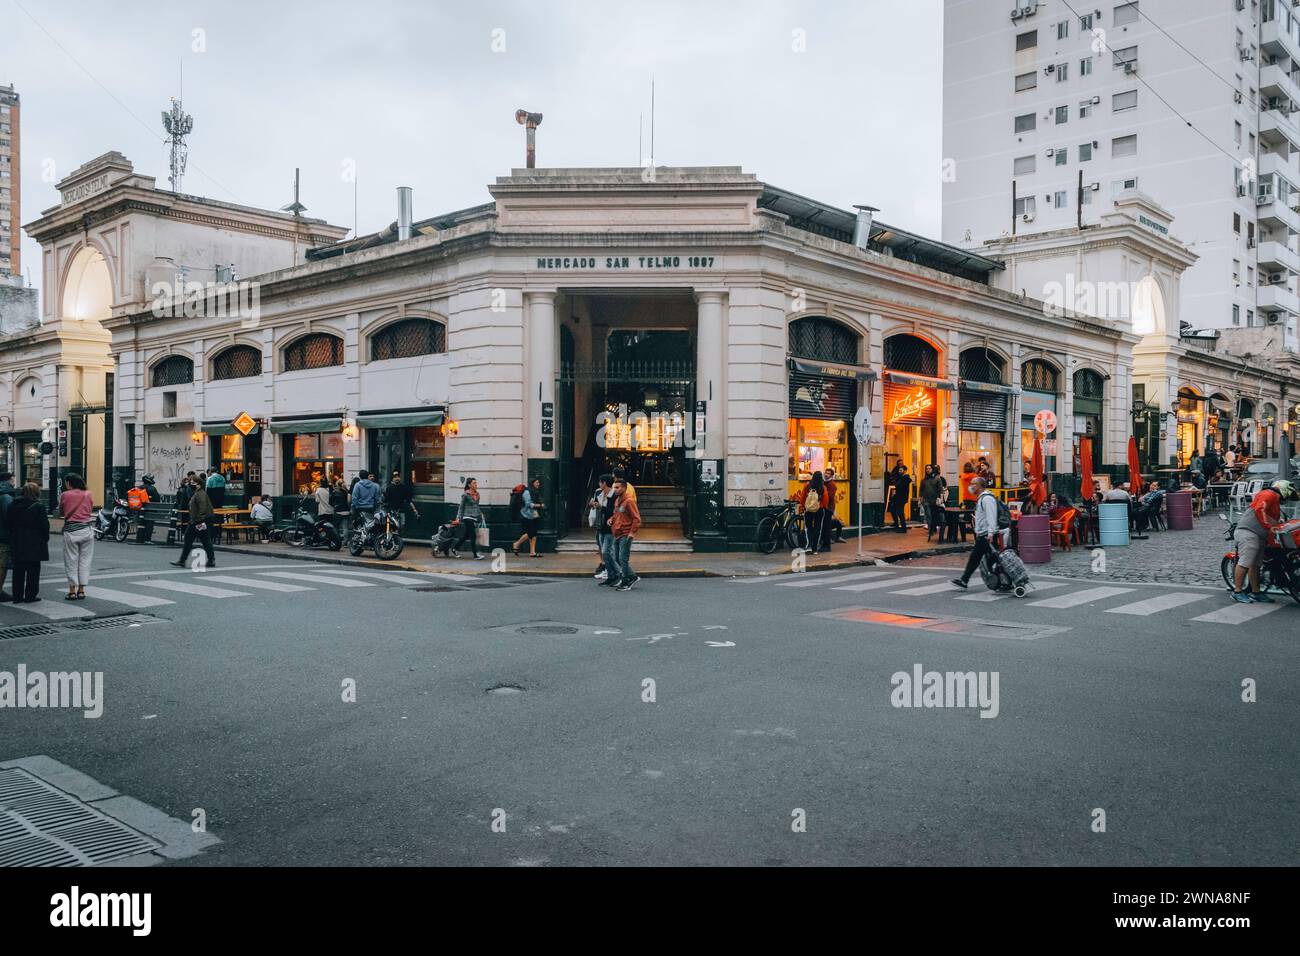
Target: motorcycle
<point x="312" y="531"/>
<point x="116" y="523"/>
<point x="379" y="533"/>
<point x="1279" y="570"/>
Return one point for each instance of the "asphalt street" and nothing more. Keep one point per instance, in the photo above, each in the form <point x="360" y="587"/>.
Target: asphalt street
<point x="688" y="721"/>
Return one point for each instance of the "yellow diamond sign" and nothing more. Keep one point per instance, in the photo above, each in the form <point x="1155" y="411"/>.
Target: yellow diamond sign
<point x="245" y="423"/>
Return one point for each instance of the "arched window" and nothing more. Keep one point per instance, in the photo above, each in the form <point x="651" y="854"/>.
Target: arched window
<point x="176" y="370"/>
<point x="907" y="353"/>
<point x="1089" y="385"/>
<point x="1038" y="376"/>
<point x="981" y="365"/>
<point x="408" y="338"/>
<point x="823" y="340"/>
<point x="318" y="350"/>
<point x="238" y="361"/>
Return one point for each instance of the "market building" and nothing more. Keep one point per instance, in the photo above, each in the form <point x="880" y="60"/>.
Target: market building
<point x="714" y="335"/>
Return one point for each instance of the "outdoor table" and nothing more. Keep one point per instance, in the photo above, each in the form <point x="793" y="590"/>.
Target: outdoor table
<point x="1220" y="490"/>
<point x="958" y="519"/>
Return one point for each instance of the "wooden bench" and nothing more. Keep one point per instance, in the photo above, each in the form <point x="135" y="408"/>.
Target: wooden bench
<point x="232" y="530"/>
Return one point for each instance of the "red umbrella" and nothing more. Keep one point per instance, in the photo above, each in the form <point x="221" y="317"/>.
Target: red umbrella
<point x="1036" y="489"/>
<point x="1134" y="469"/>
<point x="1085" y="467"/>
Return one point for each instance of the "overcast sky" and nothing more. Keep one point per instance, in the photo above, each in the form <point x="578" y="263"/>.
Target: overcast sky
<point x="413" y="93"/>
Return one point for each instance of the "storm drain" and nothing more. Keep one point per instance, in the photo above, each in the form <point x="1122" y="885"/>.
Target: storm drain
<point x="547" y="629"/>
<point x="556" y="629"/>
<point x="81" y="624"/>
<point x="42" y="826"/>
<point x="505" y="689"/>
<point x="964" y="626"/>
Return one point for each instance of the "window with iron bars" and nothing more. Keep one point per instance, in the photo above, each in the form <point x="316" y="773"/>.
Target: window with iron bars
<point x="1038" y="376"/>
<point x="319" y="350"/>
<point x="408" y="338"/>
<point x="823" y="340"/>
<point x="1088" y="384"/>
<point x="176" y="370"/>
<point x="981" y="365"/>
<point x="240" y="361"/>
<point x="907" y="353"/>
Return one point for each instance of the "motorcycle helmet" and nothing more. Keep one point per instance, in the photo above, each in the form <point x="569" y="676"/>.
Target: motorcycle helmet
<point x="147" y="479"/>
<point x="1285" y="489"/>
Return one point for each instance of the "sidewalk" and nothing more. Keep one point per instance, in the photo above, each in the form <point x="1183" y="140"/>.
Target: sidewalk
<point x="885" y="546"/>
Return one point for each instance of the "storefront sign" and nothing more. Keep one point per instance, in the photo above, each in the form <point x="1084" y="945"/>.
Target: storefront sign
<point x="626" y="263"/>
<point x="244" y="424"/>
<point x="1045" y="421"/>
<point x="912" y="405"/>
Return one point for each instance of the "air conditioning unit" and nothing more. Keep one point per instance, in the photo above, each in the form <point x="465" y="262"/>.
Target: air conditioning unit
<point x="1236" y="97"/>
<point x="1016" y="14"/>
<point x="1027" y="217"/>
<point x="1265" y="195"/>
<point x="1245" y="54"/>
<point x="1050" y="68"/>
<point x="1240" y="4"/>
<point x="1095" y="186"/>
<point x="1131" y="67"/>
<point x="1051" y="152"/>
<point x="1273" y="318"/>
<point x="1095" y="144"/>
<point x="1096" y="100"/>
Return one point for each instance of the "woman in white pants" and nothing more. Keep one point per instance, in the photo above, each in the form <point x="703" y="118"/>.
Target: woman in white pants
<point x="75" y="505"/>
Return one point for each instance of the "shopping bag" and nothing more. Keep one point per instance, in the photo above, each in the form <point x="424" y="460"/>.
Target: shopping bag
<point x="483" y="535"/>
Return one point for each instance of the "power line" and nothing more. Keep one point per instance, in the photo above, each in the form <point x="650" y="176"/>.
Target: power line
<point x="1212" y="71"/>
<point x="111" y="96"/>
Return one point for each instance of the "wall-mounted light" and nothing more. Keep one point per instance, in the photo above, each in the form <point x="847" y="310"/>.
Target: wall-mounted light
<point x="349" y="429"/>
<point x="197" y="437"/>
<point x="450" y="428"/>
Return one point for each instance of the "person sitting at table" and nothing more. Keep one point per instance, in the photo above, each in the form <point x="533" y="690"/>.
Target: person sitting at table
<point x="263" y="516"/>
<point x="964" y="485"/>
<point x="1148" y="506"/>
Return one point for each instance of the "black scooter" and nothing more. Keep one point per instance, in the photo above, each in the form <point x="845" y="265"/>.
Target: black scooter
<point x="115" y="523"/>
<point x="312" y="531"/>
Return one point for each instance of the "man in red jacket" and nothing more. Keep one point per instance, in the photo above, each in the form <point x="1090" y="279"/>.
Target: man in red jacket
<point x="624" y="523"/>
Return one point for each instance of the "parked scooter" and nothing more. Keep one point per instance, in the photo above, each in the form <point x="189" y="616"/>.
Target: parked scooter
<point x="115" y="523"/>
<point x="380" y="533"/>
<point x="312" y="531"/>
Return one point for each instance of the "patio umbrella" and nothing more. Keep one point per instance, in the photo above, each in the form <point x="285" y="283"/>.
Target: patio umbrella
<point x="1036" y="488"/>
<point x="1134" y="469"/>
<point x="1085" y="468"/>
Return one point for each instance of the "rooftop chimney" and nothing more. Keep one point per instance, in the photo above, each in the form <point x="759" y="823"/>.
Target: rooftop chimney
<point x="530" y="121"/>
<point x="403" y="212"/>
<point x="862" y="227"/>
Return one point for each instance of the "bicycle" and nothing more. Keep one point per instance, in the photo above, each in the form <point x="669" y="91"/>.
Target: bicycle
<point x="784" y="525"/>
<point x="1279" y="569"/>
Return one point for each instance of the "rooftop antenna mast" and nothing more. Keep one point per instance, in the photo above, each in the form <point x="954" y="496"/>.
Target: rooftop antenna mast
<point x="178" y="125"/>
<point x="297" y="208"/>
<point x="652" y="121"/>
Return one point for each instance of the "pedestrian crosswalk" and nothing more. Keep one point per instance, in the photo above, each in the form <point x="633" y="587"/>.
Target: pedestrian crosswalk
<point x="115" y="592"/>
<point x="933" y="585"/>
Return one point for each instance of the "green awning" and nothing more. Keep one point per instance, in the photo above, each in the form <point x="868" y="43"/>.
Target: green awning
<point x="306" y="426"/>
<point x="400" y="419"/>
<point x="223" y="430"/>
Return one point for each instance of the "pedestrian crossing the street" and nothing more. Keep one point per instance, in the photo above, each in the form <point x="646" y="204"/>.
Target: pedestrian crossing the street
<point x="933" y="585"/>
<point x="148" y="590"/>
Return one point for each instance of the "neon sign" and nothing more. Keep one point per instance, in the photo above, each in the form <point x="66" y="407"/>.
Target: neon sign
<point x="912" y="404"/>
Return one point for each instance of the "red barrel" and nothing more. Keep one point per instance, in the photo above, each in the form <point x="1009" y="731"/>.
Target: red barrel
<point x="1178" y="506"/>
<point x="1035" y="538"/>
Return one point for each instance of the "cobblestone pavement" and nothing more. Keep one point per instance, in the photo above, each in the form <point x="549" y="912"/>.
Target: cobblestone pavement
<point x="1168" y="557"/>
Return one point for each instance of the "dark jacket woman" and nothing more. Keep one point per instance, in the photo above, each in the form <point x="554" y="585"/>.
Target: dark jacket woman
<point x="29" y="531"/>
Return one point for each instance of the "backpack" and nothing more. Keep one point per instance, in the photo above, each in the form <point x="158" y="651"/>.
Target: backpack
<point x="516" y="503"/>
<point x="812" y="502"/>
<point x="1004" y="511"/>
<point x="338" y="498"/>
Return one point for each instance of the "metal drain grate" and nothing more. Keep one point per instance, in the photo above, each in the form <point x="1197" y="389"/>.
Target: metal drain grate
<point x="548" y="629"/>
<point x="436" y="589"/>
<point x="43" y="826"/>
<point x="84" y="624"/>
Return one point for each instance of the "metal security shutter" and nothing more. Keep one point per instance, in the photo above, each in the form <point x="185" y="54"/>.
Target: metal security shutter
<point x="981" y="412"/>
<point x="816" y="396"/>
<point x="894" y="392"/>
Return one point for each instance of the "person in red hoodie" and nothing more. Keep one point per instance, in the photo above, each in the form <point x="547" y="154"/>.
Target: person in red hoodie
<point x="624" y="523"/>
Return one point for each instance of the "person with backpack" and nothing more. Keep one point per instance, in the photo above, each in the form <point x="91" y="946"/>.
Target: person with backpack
<point x="814" y="501"/>
<point x="525" y="505"/>
<point x="6" y="499"/>
<point x="991" y="515"/>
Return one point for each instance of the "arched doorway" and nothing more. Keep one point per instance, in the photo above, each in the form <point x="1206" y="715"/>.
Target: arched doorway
<point x="1191" y="424"/>
<point x="1246" y="426"/>
<point x="911" y="413"/>
<point x="1147" y="311"/>
<point x="1040" y="384"/>
<point x="982" y="410"/>
<point x="1089" y="402"/>
<point x="88" y="298"/>
<point x="823" y="398"/>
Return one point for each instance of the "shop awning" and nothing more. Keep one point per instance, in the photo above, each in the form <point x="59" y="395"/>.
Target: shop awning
<point x="222" y="428"/>
<point x="969" y="386"/>
<point x="832" y="369"/>
<point x="401" y="419"/>
<point x="905" y="378"/>
<point x="305" y="426"/>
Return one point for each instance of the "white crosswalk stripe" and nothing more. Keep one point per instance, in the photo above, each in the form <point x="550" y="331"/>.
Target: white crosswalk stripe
<point x="336" y="581"/>
<point x="390" y="577"/>
<point x="1237" y="613"/>
<point x="1075" y="598"/>
<point x="1161" y="602"/>
<point x="251" y="582"/>
<point x="987" y="596"/>
<point x="59" y="610"/>
<point x="188" y="586"/>
<point x="816" y="580"/>
<point x="889" y="581"/>
<point x="928" y="588"/>
<point x="125" y="597"/>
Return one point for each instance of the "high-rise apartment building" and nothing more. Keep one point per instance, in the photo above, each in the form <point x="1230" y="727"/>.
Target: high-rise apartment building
<point x="10" y="233"/>
<point x="1052" y="108"/>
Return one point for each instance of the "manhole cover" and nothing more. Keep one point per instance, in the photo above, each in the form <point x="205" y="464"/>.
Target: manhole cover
<point x="943" y="624"/>
<point x="548" y="629"/>
<point x="505" y="689"/>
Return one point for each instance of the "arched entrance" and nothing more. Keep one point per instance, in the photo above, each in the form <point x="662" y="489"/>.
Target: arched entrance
<point x="911" y="394"/>
<point x="1191" y="424"/>
<point x="982" y="409"/>
<point x="88" y="298"/>
<point x="1089" y="403"/>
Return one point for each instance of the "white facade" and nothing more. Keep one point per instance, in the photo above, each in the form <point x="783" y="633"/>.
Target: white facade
<point x="1043" y="99"/>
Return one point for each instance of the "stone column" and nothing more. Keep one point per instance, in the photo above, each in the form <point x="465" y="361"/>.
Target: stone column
<point x="710" y="369"/>
<point x="542" y="439"/>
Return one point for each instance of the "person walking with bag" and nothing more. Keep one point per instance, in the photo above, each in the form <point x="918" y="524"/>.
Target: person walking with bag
<point x="530" y="505"/>
<point x="29" y="542"/>
<point x="76" y="505"/>
<point x="986" y="526"/>
<point x="470" y="516"/>
<point x="624" y="523"/>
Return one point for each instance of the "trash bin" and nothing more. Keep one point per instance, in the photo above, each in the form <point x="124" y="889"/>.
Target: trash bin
<point x="1034" y="533"/>
<point x="1178" y="507"/>
<point x="1112" y="523"/>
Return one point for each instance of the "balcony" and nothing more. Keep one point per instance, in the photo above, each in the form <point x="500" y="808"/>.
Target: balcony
<point x="1274" y="213"/>
<point x="1275" y="256"/>
<point x="1277" y="298"/>
<point x="1276" y="81"/>
<point x="1277" y="126"/>
<point x="1275" y="41"/>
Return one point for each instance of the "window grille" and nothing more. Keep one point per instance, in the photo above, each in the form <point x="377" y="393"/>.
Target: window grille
<point x="241" y="361"/>
<point x="907" y="353"/>
<point x="176" y="370"/>
<point x="823" y="340"/>
<point x="319" y="350"/>
<point x="408" y="338"/>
